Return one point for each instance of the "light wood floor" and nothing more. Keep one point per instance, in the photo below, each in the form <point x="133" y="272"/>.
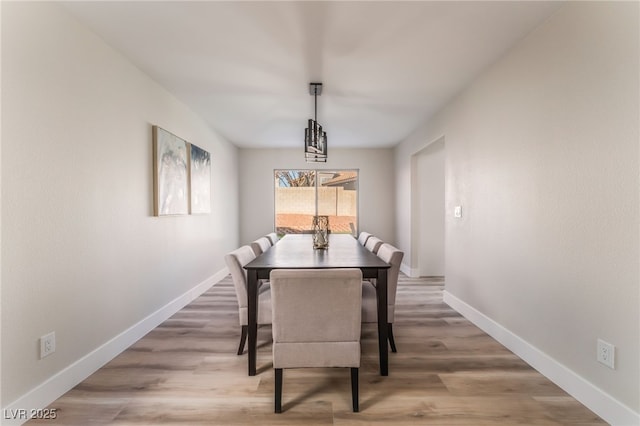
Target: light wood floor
<point x="446" y="372"/>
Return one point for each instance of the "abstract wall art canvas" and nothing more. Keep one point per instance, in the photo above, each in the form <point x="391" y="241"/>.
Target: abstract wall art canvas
<point x="171" y="185"/>
<point x="200" y="170"/>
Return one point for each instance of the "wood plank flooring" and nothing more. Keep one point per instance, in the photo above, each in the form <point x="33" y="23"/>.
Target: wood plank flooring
<point x="446" y="372"/>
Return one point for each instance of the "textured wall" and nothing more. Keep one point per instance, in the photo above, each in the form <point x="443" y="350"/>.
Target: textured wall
<point x="82" y="254"/>
<point x="302" y="200"/>
<point x="375" y="190"/>
<point x="542" y="153"/>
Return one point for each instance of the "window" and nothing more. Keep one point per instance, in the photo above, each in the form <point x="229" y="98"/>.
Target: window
<point x="302" y="194"/>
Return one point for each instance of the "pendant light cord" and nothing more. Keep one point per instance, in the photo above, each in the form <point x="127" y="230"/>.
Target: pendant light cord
<point x="315" y="103"/>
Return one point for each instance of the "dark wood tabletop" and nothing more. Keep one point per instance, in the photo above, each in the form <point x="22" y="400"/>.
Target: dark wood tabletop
<point x="295" y="251"/>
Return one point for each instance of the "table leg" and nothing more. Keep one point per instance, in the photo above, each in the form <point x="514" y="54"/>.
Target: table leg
<point x="383" y="336"/>
<point x="252" y="307"/>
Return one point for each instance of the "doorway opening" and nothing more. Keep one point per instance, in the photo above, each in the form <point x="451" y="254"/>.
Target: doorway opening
<point x="428" y="210"/>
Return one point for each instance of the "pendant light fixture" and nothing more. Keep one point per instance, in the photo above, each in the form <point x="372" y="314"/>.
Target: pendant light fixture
<point x="315" y="139"/>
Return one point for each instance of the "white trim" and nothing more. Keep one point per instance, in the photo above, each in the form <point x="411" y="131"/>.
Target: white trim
<point x="408" y="271"/>
<point x="57" y="385"/>
<point x="610" y="409"/>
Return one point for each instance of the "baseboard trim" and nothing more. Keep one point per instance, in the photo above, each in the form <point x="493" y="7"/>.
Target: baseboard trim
<point x="610" y="409"/>
<point x="44" y="394"/>
<point x="408" y="271"/>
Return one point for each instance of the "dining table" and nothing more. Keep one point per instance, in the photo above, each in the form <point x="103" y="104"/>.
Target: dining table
<point x="296" y="251"/>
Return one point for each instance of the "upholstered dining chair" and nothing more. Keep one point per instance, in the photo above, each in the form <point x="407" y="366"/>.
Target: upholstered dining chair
<point x="373" y="244"/>
<point x="273" y="237"/>
<point x="235" y="262"/>
<point x="316" y="321"/>
<point x="261" y="245"/>
<point x="393" y="257"/>
<point x="363" y="237"/>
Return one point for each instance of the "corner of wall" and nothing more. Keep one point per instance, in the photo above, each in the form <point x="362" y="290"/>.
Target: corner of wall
<point x="408" y="271"/>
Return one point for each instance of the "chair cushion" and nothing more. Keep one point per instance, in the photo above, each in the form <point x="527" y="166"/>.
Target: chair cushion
<point x="393" y="257"/>
<point x="235" y="262"/>
<point x="370" y="305"/>
<point x="264" y="306"/>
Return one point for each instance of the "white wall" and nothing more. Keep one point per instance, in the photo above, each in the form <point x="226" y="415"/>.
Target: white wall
<point x="82" y="254"/>
<point x="375" y="189"/>
<point x="428" y="224"/>
<point x="542" y="153"/>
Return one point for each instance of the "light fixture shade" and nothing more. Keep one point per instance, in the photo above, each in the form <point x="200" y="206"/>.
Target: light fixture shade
<point x="315" y="143"/>
<point x="315" y="138"/>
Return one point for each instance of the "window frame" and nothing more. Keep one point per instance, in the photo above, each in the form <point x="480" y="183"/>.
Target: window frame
<point x="316" y="192"/>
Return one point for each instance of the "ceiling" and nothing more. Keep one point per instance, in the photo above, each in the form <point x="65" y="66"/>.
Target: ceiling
<point x="245" y="67"/>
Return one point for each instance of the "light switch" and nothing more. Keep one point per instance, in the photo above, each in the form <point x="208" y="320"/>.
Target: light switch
<point x="457" y="212"/>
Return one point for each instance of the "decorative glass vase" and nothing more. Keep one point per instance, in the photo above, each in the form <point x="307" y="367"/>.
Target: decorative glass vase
<point x="320" y="232"/>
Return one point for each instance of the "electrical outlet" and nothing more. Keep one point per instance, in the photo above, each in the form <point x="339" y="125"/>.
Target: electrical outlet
<point x="47" y="344"/>
<point x="606" y="354"/>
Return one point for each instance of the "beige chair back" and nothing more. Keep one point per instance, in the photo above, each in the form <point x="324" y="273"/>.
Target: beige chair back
<point x="316" y="317"/>
<point x="273" y="237"/>
<point x="261" y="245"/>
<point x="364" y="236"/>
<point x="235" y="262"/>
<point x="393" y="257"/>
<point x="373" y="244"/>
